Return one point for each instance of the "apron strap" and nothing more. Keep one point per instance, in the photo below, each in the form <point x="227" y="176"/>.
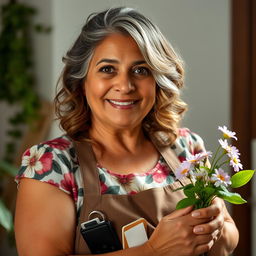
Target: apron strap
<point x="171" y="159"/>
<point x="88" y="167"/>
<point x="90" y="174"/>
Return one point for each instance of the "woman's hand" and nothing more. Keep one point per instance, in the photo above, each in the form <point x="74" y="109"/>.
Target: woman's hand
<point x="216" y="214"/>
<point x="221" y="226"/>
<point x="175" y="233"/>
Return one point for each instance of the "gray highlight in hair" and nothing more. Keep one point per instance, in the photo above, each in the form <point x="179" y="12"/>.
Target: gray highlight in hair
<point x="166" y="65"/>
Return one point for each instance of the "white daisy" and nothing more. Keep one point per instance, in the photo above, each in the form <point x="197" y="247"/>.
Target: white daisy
<point x="183" y="170"/>
<point x="220" y="177"/>
<point x="226" y="133"/>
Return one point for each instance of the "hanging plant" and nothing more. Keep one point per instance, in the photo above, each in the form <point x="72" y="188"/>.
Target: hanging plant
<point x="17" y="81"/>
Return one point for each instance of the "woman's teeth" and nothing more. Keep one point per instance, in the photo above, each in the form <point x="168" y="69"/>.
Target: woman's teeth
<point x="122" y="103"/>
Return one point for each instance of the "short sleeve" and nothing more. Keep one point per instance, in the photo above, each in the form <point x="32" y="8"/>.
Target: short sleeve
<point x="53" y="162"/>
<point x="188" y="143"/>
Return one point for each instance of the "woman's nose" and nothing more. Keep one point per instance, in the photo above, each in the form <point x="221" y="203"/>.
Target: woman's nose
<point x="124" y="83"/>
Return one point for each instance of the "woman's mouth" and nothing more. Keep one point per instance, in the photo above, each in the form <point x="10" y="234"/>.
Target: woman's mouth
<point x="122" y="104"/>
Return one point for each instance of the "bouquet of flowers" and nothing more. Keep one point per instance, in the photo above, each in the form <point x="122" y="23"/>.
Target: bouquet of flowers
<point x="208" y="179"/>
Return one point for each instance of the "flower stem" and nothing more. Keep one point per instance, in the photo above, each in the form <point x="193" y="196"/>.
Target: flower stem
<point x="218" y="159"/>
<point x="223" y="163"/>
<point x="215" y="155"/>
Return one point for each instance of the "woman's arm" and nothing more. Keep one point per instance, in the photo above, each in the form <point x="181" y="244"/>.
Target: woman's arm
<point x="45" y="224"/>
<point x="45" y="219"/>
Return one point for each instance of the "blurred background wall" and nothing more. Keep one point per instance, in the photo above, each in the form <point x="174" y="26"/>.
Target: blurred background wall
<point x="198" y="29"/>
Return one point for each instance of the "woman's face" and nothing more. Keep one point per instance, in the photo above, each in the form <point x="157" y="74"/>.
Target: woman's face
<point x="119" y="86"/>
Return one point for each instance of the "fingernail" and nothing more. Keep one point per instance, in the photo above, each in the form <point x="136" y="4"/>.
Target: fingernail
<point x="198" y="229"/>
<point x="195" y="214"/>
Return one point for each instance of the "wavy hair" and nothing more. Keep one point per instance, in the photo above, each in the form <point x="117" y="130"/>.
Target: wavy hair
<point x="167" y="68"/>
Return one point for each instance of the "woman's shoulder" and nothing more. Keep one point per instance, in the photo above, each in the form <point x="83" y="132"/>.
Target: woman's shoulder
<point x="54" y="162"/>
<point x="187" y="142"/>
<point x="57" y="154"/>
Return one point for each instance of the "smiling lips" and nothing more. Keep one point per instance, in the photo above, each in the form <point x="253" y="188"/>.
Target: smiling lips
<point x="122" y="104"/>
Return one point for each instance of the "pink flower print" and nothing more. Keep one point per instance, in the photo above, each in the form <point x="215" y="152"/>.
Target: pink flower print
<point x="125" y="179"/>
<point x="160" y="174"/>
<point x="183" y="132"/>
<point x="196" y="151"/>
<point x="58" y="143"/>
<point x="103" y="187"/>
<point x="182" y="158"/>
<point x="69" y="184"/>
<point x="37" y="161"/>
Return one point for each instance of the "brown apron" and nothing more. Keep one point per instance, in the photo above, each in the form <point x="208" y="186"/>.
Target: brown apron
<point x="151" y="204"/>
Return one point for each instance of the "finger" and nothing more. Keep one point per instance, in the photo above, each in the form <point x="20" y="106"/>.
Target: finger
<point x="208" y="212"/>
<point x="179" y="213"/>
<point x="210" y="227"/>
<point x="202" y="248"/>
<point x="204" y="239"/>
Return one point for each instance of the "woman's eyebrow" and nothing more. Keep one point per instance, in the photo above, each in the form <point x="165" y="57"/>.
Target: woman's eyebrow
<point x="138" y="62"/>
<point x="108" y="61"/>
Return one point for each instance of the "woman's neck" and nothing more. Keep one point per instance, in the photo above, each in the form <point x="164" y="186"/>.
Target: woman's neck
<point x="123" y="151"/>
<point x="117" y="140"/>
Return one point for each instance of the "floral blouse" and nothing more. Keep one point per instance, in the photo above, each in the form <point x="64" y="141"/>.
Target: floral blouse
<point x="55" y="162"/>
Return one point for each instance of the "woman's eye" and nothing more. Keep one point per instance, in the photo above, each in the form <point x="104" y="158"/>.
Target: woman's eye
<point x="107" y="69"/>
<point x="141" y="71"/>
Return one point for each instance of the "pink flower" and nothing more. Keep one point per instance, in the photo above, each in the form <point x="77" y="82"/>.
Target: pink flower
<point x="69" y="184"/>
<point x="58" y="143"/>
<point x="103" y="187"/>
<point x="37" y="161"/>
<point x="160" y="174"/>
<point x="125" y="179"/>
<point x="182" y="158"/>
<point x="195" y="150"/>
<point x="183" y="132"/>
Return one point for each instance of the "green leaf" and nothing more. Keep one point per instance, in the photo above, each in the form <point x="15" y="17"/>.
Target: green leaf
<point x="186" y="202"/>
<point x="209" y="191"/>
<point x="5" y="217"/>
<point x="241" y="178"/>
<point x="8" y="168"/>
<point x="189" y="192"/>
<point x="233" y="198"/>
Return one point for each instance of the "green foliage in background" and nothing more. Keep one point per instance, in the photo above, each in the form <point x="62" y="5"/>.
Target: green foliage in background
<point x="17" y="83"/>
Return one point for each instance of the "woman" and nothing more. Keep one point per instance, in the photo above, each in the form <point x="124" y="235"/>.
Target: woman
<point x="120" y="108"/>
